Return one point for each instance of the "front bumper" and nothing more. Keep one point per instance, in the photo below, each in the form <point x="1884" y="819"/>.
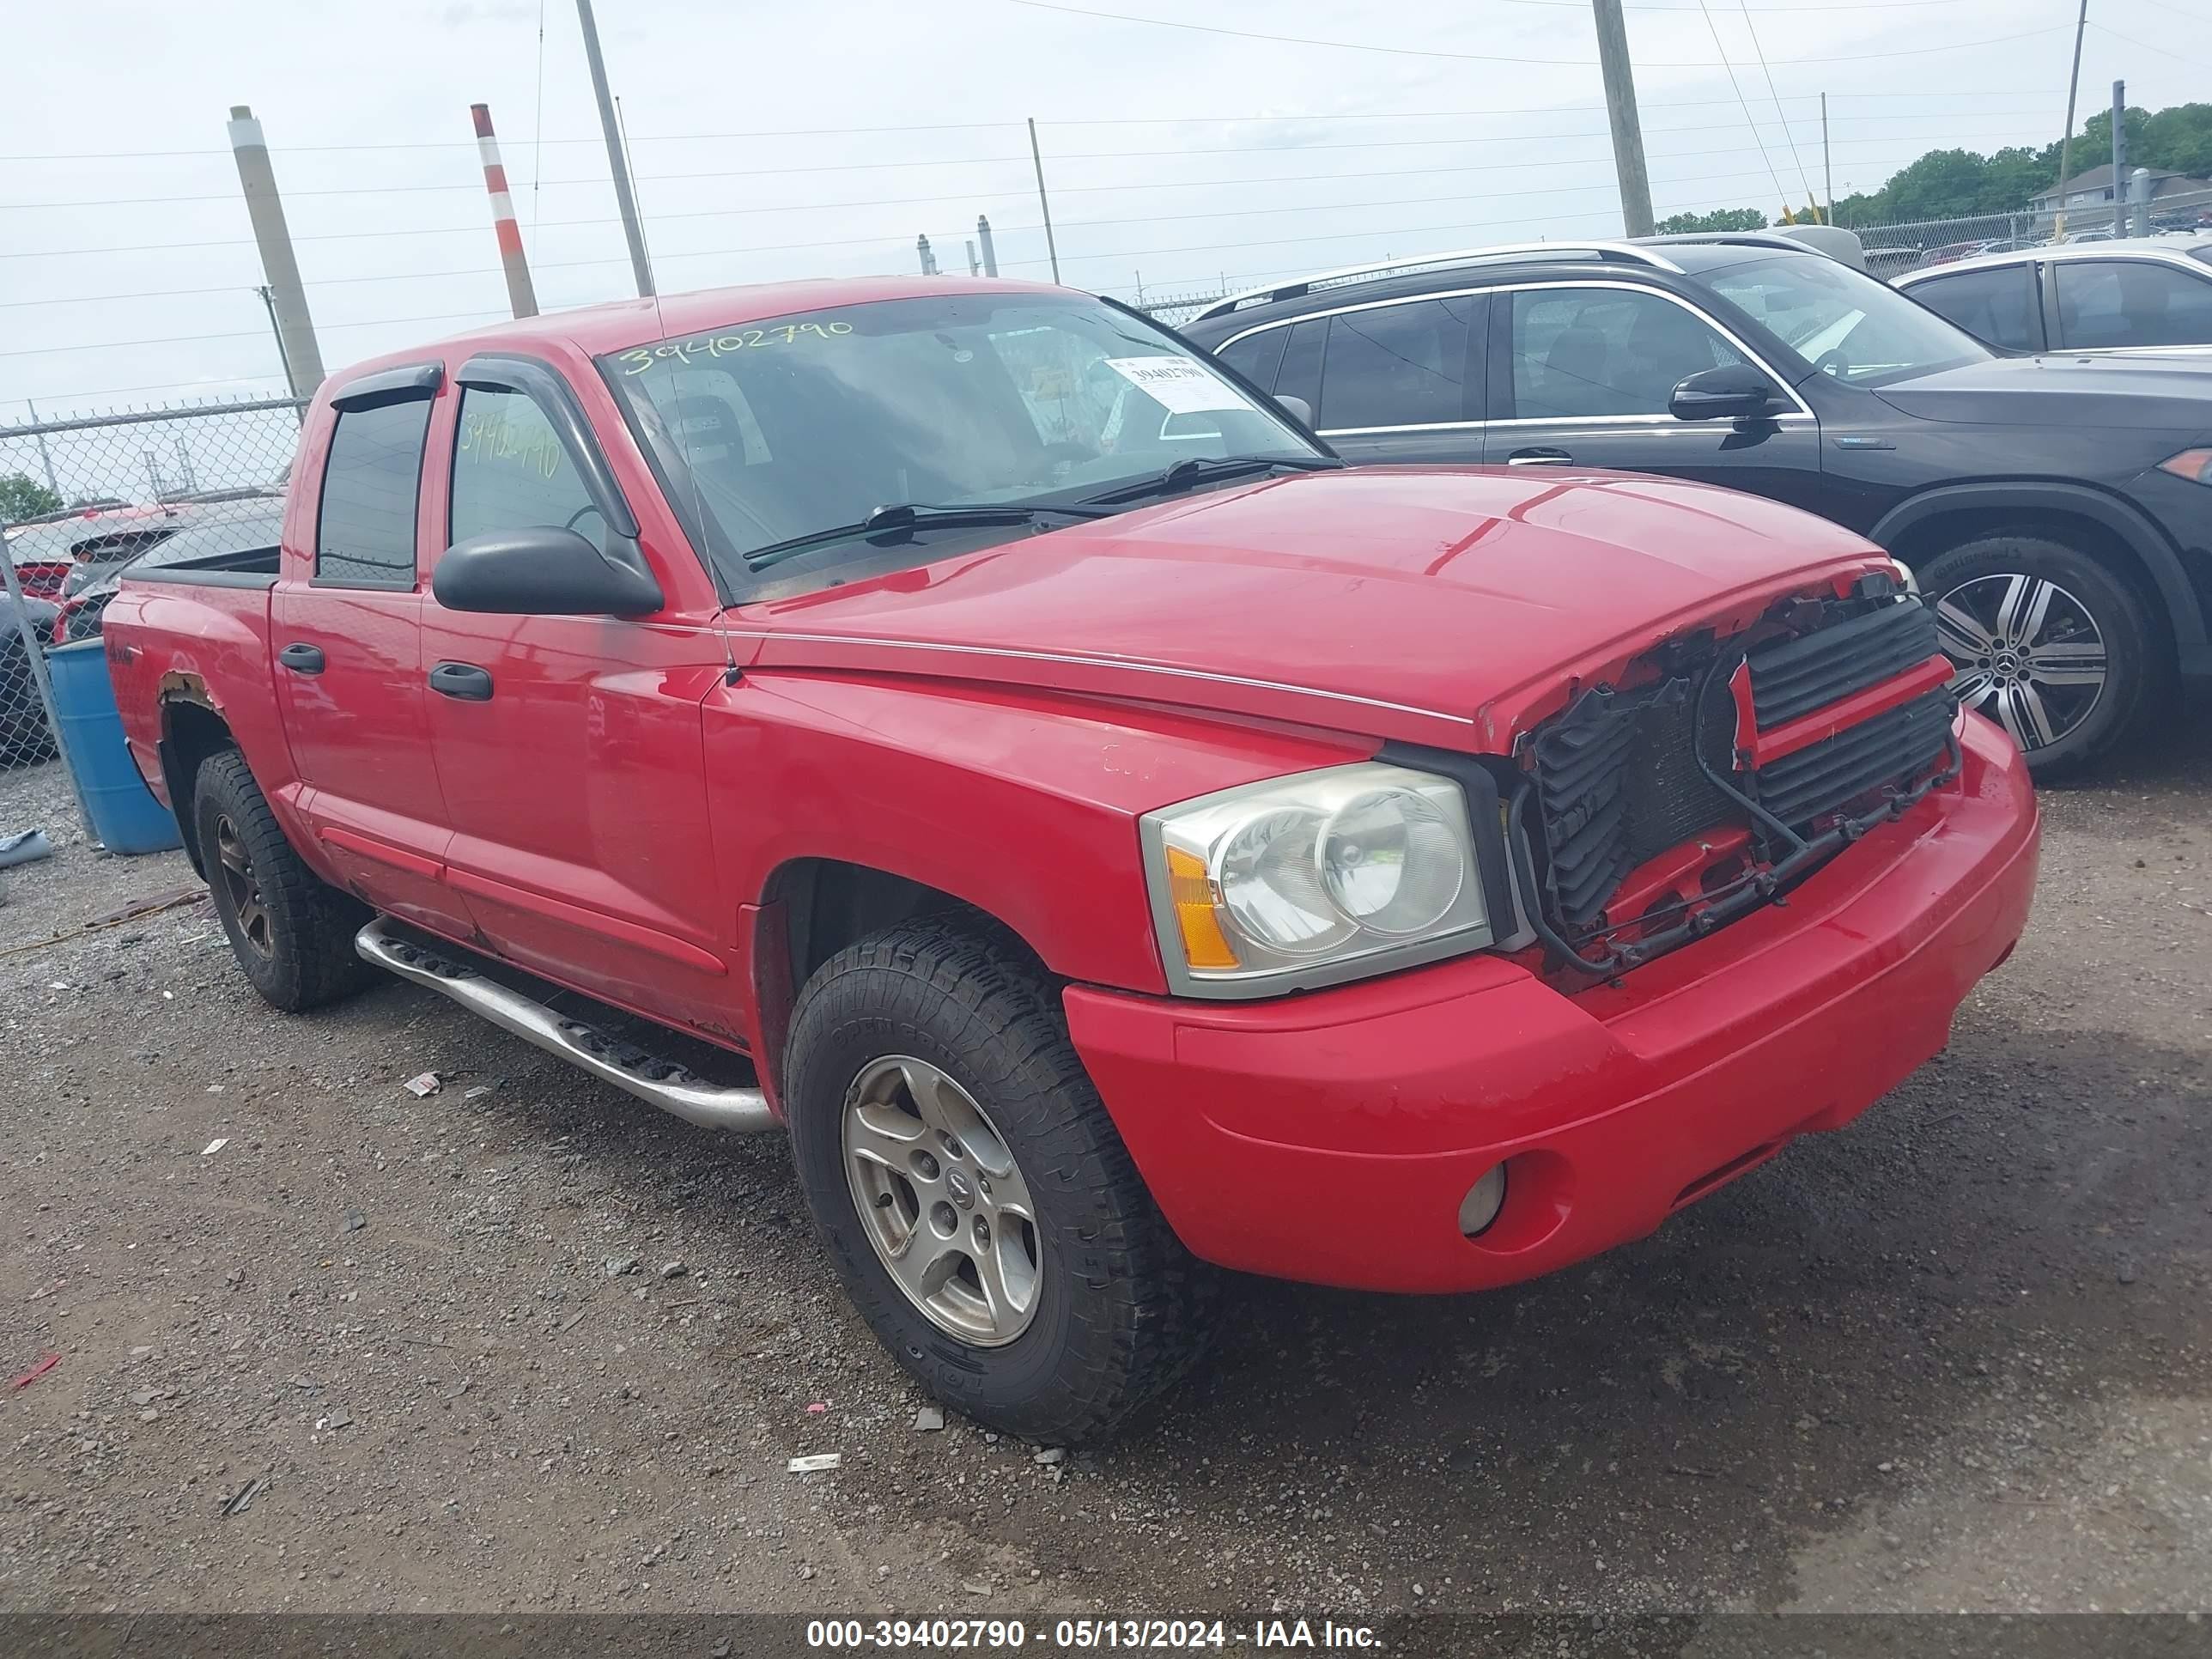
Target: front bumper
<point x="1330" y="1137"/>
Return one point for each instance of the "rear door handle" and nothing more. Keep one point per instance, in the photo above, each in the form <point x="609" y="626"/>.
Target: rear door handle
<point x="301" y="659"/>
<point x="463" y="681"/>
<point x="1539" y="458"/>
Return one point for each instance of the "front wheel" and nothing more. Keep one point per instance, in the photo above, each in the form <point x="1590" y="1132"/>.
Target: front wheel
<point x="2045" y="641"/>
<point x="972" y="1192"/>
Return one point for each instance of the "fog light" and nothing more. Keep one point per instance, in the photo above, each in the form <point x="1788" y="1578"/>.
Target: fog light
<point x="1483" y="1202"/>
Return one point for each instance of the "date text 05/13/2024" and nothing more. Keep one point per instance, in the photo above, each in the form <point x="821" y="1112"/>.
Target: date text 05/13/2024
<point x="1083" y="1635"/>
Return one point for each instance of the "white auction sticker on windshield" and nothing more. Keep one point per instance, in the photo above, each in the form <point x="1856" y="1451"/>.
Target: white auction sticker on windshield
<point x="1179" y="385"/>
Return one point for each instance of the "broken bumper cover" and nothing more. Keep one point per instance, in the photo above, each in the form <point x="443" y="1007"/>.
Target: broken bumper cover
<point x="1331" y="1137"/>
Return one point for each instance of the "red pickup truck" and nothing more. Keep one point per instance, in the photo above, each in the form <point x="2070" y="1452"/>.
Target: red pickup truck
<point x="959" y="724"/>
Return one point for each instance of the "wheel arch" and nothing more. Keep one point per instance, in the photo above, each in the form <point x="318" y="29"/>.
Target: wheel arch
<point x="810" y="908"/>
<point x="2113" y="532"/>
<point x="192" y="729"/>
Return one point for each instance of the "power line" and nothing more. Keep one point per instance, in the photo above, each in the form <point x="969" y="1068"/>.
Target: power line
<point x="245" y="334"/>
<point x="863" y="166"/>
<point x="1102" y="121"/>
<point x="1742" y="103"/>
<point x="1496" y="57"/>
<point x="1803" y="177"/>
<point x="856" y="242"/>
<point x="2162" y="52"/>
<point x="903" y="201"/>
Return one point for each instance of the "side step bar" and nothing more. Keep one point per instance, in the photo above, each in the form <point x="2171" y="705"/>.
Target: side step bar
<point x="659" y="1082"/>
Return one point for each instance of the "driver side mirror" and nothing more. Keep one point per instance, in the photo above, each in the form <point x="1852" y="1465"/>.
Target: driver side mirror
<point x="1298" y="409"/>
<point x="541" y="570"/>
<point x="1737" y="391"/>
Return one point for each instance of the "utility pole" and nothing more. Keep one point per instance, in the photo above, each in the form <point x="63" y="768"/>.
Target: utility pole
<point x="990" y="254"/>
<point x="521" y="295"/>
<point x="625" y="202"/>
<point x="45" y="459"/>
<point x="2120" y="209"/>
<point x="2066" y="142"/>
<point x="286" y="295"/>
<point x="1828" y="165"/>
<point x="975" y="266"/>
<point x="1044" y="204"/>
<point x="1621" y="110"/>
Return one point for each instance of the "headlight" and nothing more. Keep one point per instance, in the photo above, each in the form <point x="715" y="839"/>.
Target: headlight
<point x="1905" y="575"/>
<point x="2194" y="465"/>
<point x="1312" y="880"/>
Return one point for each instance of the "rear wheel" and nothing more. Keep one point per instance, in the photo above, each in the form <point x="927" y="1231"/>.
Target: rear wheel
<point x="2045" y="641"/>
<point x="291" y="932"/>
<point x="972" y="1192"/>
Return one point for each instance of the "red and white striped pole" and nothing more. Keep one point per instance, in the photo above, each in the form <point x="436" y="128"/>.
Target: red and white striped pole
<point x="519" y="293"/>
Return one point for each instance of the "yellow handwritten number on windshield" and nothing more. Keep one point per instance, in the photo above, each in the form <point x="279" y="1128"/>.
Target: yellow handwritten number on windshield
<point x="711" y="346"/>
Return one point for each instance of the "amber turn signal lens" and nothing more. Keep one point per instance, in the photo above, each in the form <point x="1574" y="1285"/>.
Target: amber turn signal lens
<point x="2194" y="465"/>
<point x="1204" y="945"/>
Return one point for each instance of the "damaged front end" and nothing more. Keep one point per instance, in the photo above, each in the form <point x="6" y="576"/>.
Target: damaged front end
<point x="1723" y="770"/>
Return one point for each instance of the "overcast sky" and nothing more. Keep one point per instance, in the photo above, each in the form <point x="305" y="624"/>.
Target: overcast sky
<point x="778" y="141"/>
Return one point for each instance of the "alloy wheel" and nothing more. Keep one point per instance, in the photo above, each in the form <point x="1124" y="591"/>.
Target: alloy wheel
<point x="942" y="1201"/>
<point x="2027" y="652"/>
<point x="243" y="889"/>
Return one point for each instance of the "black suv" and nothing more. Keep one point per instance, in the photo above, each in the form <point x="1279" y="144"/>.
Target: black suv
<point x="2057" y="513"/>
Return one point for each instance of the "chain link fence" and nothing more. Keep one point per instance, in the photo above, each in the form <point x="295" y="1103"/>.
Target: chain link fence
<point x="1892" y="250"/>
<point x="80" y="500"/>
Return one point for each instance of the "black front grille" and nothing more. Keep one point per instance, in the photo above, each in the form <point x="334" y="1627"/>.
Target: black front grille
<point x="1858" y="760"/>
<point x="1618" y="782"/>
<point x="1618" y="779"/>
<point x="1794" y="677"/>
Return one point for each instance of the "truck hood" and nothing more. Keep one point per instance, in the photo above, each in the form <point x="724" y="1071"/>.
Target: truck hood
<point x="1452" y="606"/>
<point x="2161" y="392"/>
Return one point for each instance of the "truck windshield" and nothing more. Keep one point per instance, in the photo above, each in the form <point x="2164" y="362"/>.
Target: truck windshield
<point x="1844" y="322"/>
<point x="767" y="431"/>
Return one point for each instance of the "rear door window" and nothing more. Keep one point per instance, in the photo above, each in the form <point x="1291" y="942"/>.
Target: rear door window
<point x="364" y="535"/>
<point x="1398" y="365"/>
<point x="1257" y="356"/>
<point x="1997" y="304"/>
<point x="2131" y="302"/>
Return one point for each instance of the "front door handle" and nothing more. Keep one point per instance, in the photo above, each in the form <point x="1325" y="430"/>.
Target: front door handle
<point x="463" y="681"/>
<point x="303" y="658"/>
<point x="1539" y="458"/>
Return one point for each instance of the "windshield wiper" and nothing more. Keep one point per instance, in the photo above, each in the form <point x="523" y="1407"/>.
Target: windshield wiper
<point x="913" y="515"/>
<point x="1210" y="469"/>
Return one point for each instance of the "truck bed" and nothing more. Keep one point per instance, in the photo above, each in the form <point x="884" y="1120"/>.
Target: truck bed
<point x="249" y="566"/>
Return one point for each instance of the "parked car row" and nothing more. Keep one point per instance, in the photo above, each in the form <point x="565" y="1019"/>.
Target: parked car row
<point x="2055" y="512"/>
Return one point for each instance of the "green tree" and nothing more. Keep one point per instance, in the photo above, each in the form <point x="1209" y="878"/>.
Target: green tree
<point x="23" y="497"/>
<point x="2179" y="139"/>
<point x="1683" y="224"/>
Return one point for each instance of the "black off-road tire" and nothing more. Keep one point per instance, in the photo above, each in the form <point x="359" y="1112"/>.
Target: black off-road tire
<point x="302" y="955"/>
<point x="2130" y="643"/>
<point x="1119" y="1309"/>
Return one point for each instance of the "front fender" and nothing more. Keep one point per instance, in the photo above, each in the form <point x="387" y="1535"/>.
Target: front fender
<point x="2121" y="517"/>
<point x="1021" y="804"/>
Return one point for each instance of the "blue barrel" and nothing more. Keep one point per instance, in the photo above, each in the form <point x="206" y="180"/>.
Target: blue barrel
<point x="124" y="814"/>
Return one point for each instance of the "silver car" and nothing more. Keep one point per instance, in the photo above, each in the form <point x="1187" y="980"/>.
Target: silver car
<point x="2140" y="293"/>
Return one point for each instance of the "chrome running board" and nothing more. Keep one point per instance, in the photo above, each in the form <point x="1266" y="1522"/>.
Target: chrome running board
<point x="659" y="1082"/>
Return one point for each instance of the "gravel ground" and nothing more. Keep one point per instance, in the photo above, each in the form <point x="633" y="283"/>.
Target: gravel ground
<point x="1952" y="1357"/>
